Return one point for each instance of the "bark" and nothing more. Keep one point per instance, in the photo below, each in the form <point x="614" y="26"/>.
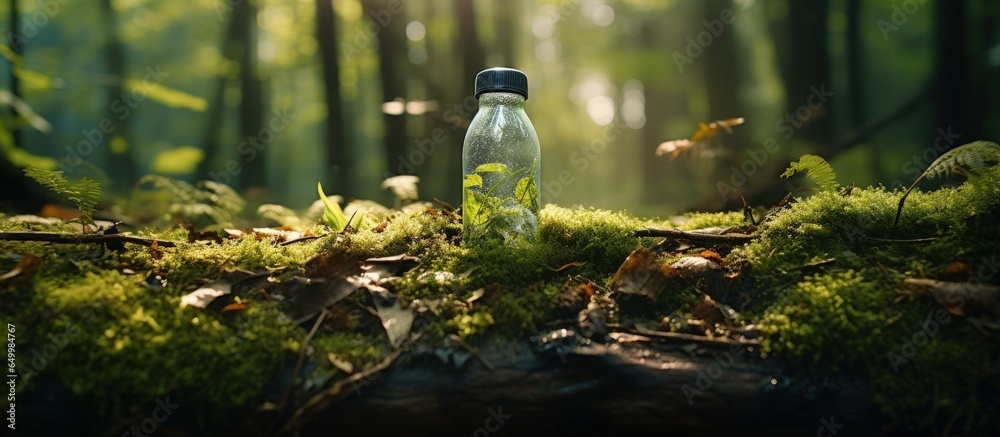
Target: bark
<point x="120" y="166"/>
<point x="339" y="162"/>
<point x="618" y="390"/>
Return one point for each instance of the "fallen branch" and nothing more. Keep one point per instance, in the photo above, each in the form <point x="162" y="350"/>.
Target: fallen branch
<point x="57" y="238"/>
<point x="695" y="236"/>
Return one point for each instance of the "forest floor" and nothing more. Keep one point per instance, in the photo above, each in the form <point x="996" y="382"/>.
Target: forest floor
<point x="267" y="330"/>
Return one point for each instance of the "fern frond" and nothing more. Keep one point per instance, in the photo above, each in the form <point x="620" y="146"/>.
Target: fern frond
<point x="969" y="159"/>
<point x="84" y="193"/>
<point x="206" y="204"/>
<point x="816" y="169"/>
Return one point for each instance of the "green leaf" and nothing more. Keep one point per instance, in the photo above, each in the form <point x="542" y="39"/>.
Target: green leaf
<point x="472" y="180"/>
<point x="816" y="169"/>
<point x="471" y="207"/>
<point x="493" y="167"/>
<point x="333" y="216"/>
<point x="527" y="193"/>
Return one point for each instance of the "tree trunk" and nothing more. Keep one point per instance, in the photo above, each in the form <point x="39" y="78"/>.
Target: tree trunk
<point x="212" y="141"/>
<point x="391" y="57"/>
<point x="15" y="86"/>
<point x="505" y="31"/>
<point x="626" y="389"/>
<point x="855" y="81"/>
<point x="120" y="164"/>
<point x="804" y="64"/>
<point x="254" y="166"/>
<point x="722" y="79"/>
<point x="467" y="46"/>
<point x="339" y="162"/>
<point x="954" y="104"/>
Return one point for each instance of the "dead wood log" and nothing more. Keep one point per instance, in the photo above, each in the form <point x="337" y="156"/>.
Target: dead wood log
<point x="613" y="389"/>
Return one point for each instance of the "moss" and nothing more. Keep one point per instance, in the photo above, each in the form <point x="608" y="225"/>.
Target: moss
<point x="710" y="220"/>
<point x="846" y="318"/>
<point x="131" y="338"/>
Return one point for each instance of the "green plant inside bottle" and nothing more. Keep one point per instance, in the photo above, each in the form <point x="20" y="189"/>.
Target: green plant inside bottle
<point x="493" y="210"/>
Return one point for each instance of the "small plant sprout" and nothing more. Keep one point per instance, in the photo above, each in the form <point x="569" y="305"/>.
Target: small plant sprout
<point x="334" y="217"/>
<point x="817" y="170"/>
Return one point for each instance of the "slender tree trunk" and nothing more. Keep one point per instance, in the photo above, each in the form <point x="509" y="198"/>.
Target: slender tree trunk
<point x="953" y="98"/>
<point x="120" y="164"/>
<point x="231" y="49"/>
<point x="722" y="85"/>
<point x="254" y="167"/>
<point x="339" y="162"/>
<point x="505" y="31"/>
<point x="855" y="81"/>
<point x="15" y="86"/>
<point x="804" y="64"/>
<point x="467" y="45"/>
<point x="391" y="57"/>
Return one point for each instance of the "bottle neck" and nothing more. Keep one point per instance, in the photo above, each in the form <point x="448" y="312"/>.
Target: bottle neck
<point x="493" y="99"/>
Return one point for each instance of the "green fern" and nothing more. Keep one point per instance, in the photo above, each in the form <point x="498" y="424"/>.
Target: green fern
<point x="207" y="204"/>
<point x="816" y="169"/>
<point x="84" y="193"/>
<point x="968" y="160"/>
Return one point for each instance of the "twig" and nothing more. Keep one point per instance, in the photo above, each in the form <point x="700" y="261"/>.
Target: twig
<point x="699" y="237"/>
<point x="300" y="239"/>
<point x="911" y="240"/>
<point x="689" y="338"/>
<point x="302" y="357"/>
<point x="322" y="399"/>
<point x="473" y="351"/>
<point x="872" y="127"/>
<point x="53" y="237"/>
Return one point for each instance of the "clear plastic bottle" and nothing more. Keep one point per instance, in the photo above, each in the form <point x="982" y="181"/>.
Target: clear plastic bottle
<point x="501" y="161"/>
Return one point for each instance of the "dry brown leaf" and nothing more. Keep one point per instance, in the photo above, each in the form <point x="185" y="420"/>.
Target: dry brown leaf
<point x="235" y="306"/>
<point x="28" y="265"/>
<point x="639" y="274"/>
<point x="959" y="298"/>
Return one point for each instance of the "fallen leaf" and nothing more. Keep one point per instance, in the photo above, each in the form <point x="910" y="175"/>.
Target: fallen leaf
<point x="958" y="298"/>
<point x="203" y="296"/>
<point x="640" y="274"/>
<point x="28" y="265"/>
<point x="475" y="296"/>
<point x="344" y="365"/>
<point x="712" y="256"/>
<point x="396" y="320"/>
<point x="236" y="306"/>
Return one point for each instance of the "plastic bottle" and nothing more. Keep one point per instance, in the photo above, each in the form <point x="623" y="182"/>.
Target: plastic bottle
<point x="501" y="161"/>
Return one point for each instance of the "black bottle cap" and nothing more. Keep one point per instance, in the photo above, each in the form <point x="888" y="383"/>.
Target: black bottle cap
<point x="501" y="79"/>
